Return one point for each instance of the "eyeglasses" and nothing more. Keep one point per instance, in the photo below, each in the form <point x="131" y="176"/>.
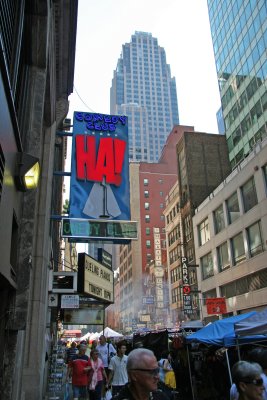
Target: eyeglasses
<point x="255" y="382"/>
<point x="152" y="372"/>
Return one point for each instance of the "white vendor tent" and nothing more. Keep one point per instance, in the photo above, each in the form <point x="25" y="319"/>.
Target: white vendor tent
<point x="110" y="333"/>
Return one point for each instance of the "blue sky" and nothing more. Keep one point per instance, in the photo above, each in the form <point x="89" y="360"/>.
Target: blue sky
<point x="181" y="27"/>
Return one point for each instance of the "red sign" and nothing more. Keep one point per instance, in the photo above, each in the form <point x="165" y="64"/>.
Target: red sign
<point x="186" y="289"/>
<point x="216" y="305"/>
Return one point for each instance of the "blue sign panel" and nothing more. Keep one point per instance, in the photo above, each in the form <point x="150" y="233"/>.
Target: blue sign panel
<point x="99" y="186"/>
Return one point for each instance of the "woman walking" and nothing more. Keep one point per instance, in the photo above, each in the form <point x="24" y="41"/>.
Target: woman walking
<point x="96" y="376"/>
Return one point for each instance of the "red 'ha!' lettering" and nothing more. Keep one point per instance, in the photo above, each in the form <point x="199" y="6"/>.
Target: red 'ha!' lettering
<point x="107" y="161"/>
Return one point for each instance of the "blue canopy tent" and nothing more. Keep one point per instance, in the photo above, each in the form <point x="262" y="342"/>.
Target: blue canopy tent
<point x="219" y="333"/>
<point x="232" y="331"/>
<point x="226" y="332"/>
<point x="254" y="325"/>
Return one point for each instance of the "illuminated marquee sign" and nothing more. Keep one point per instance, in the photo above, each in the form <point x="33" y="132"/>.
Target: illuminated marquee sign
<point x="99" y="186"/>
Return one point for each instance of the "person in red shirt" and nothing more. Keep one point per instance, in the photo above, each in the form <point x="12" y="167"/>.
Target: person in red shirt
<point x="78" y="368"/>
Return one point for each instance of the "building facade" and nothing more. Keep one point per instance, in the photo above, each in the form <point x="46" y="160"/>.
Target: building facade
<point x="203" y="163"/>
<point x="239" y="35"/>
<point x="144" y="90"/>
<point x="149" y="185"/>
<point x="230" y="230"/>
<point x="35" y="82"/>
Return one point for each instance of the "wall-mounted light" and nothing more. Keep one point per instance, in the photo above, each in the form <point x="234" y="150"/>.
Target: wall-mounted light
<point x="28" y="172"/>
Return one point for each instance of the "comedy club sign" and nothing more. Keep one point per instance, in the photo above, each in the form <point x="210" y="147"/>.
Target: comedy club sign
<point x="99" y="186"/>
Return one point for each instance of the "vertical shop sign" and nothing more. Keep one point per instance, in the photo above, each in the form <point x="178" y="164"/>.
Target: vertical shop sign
<point x="187" y="299"/>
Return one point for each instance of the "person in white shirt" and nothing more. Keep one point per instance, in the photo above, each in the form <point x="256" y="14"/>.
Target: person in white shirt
<point x="118" y="375"/>
<point x="105" y="350"/>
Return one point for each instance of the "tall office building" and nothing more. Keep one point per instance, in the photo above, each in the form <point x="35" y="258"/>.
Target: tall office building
<point x="239" y="35"/>
<point x="143" y="89"/>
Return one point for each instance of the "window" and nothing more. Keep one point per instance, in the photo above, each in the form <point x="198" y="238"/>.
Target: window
<point x="238" y="248"/>
<point x="146" y="193"/>
<point x="188" y="229"/>
<point x="203" y="232"/>
<point x="265" y="174"/>
<point x="255" y="242"/>
<point x="146" y="206"/>
<point x="207" y="266"/>
<point x="147" y="231"/>
<point x="161" y="194"/>
<point x="249" y="194"/>
<point x="161" y="205"/>
<point x="223" y="257"/>
<point x="190" y="254"/>
<point x="207" y="295"/>
<point x="233" y="208"/>
<point x="246" y="284"/>
<point x="148" y="257"/>
<point x="219" y="219"/>
<point x="147" y="218"/>
<point x="148" y="244"/>
<point x="145" y="182"/>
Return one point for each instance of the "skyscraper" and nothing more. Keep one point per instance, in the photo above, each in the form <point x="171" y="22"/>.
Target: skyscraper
<point x="143" y="89"/>
<point x="239" y="35"/>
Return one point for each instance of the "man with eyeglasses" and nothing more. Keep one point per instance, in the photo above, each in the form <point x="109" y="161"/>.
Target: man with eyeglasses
<point x="248" y="380"/>
<point x="257" y="355"/>
<point x="143" y="374"/>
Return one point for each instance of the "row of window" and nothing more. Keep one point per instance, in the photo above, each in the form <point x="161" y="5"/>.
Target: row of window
<point x="174" y="235"/>
<point x="147" y="205"/>
<point x="247" y="122"/>
<point x="146" y="181"/>
<point x="232" y="252"/>
<point x="249" y="199"/>
<point x="172" y="213"/>
<point x="247" y="284"/>
<point x="147" y="218"/>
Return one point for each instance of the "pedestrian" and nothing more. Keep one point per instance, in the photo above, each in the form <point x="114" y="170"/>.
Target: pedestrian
<point x="97" y="376"/>
<point x="71" y="351"/>
<point x="257" y="355"/>
<point x="78" y="368"/>
<point x="162" y="362"/>
<point x="248" y="380"/>
<point x="118" y="376"/>
<point x="106" y="351"/>
<point x="143" y="374"/>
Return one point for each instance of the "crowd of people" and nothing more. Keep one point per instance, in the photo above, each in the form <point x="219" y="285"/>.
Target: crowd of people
<point x="104" y="371"/>
<point x="113" y="371"/>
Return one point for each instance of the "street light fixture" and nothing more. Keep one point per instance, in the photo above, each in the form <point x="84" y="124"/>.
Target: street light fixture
<point x="28" y="172"/>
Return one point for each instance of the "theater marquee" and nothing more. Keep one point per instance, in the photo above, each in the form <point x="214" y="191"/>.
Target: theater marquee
<point x="94" y="279"/>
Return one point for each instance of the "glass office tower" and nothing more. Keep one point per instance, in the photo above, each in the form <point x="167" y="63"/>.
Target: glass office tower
<point x="239" y="35"/>
<point x="143" y="89"/>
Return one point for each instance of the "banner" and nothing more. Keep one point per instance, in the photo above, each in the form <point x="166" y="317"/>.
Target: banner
<point x="99" y="186"/>
<point x="216" y="305"/>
